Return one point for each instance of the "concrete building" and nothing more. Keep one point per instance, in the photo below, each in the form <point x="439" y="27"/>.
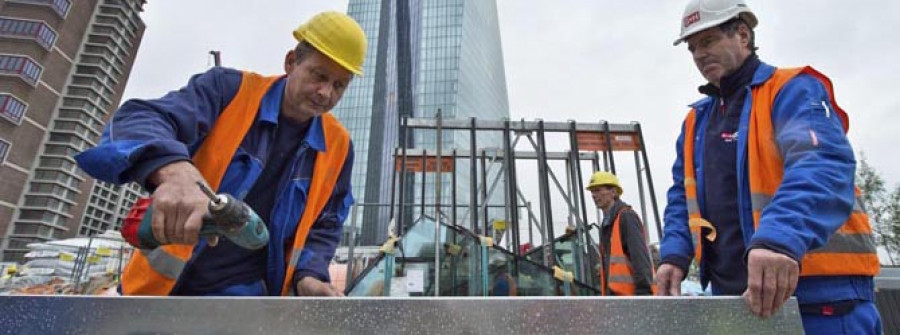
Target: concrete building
<point x="423" y="56"/>
<point x="63" y="68"/>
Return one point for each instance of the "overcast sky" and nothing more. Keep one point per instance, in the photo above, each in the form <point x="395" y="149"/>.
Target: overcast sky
<point x="582" y="60"/>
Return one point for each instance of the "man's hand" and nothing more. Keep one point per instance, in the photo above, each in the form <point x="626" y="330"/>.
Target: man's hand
<point x="312" y="287"/>
<point x="771" y="280"/>
<point x="178" y="204"/>
<point x="668" y="280"/>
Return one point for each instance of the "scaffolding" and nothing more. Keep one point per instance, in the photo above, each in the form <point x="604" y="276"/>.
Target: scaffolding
<point x="491" y="170"/>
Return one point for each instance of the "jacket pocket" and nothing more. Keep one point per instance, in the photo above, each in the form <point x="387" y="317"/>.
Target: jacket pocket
<point x="242" y="172"/>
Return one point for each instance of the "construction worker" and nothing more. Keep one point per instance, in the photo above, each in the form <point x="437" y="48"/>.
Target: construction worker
<point x="625" y="266"/>
<point x="503" y="283"/>
<point x="763" y="193"/>
<point x="270" y="141"/>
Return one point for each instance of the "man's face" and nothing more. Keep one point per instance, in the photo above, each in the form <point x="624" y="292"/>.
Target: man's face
<point x="604" y="196"/>
<point x="313" y="86"/>
<point x="716" y="54"/>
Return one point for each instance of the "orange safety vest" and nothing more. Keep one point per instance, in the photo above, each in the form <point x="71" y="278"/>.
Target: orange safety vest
<point x="155" y="272"/>
<point x="849" y="251"/>
<point x="621" y="274"/>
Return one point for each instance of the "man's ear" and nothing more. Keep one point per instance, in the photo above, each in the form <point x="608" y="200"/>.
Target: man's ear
<point x="289" y="61"/>
<point x="744" y="33"/>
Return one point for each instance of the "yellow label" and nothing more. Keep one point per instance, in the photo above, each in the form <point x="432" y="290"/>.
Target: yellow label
<point x="93" y="259"/>
<point x="11" y="269"/>
<point x="499" y="225"/>
<point x="453" y="249"/>
<point x="104" y="251"/>
<point x="66" y="257"/>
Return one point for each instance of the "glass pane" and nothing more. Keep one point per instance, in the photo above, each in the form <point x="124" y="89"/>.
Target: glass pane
<point x="462" y="271"/>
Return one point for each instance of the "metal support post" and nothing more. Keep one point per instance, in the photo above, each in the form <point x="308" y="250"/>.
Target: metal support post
<point x="352" y="242"/>
<point x="438" y="178"/>
<point x="544" y="185"/>
<point x="473" y="180"/>
<point x="401" y="202"/>
<point x="609" y="147"/>
<point x="581" y="230"/>
<point x="640" y="181"/>
<point x="393" y="183"/>
<point x="512" y="187"/>
<point x="488" y="231"/>
<point x="649" y="181"/>
<point x="453" y="190"/>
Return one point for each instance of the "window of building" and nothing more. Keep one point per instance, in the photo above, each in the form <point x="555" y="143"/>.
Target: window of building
<point x="4" y="149"/>
<point x="21" y="66"/>
<point x="37" y="30"/>
<point x="11" y="108"/>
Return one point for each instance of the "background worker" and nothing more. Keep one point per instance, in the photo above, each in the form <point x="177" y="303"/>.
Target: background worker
<point x="267" y="140"/>
<point x="625" y="266"/>
<point x="764" y="174"/>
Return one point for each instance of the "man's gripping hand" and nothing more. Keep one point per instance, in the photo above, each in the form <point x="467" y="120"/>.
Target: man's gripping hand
<point x="771" y="280"/>
<point x="178" y="204"/>
<point x="668" y="280"/>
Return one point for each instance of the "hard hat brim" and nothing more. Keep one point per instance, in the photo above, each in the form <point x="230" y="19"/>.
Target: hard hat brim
<point x="618" y="188"/>
<point x="748" y="17"/>
<point x="317" y="45"/>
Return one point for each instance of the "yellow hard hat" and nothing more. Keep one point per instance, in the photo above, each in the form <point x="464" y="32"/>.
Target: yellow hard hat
<point x="602" y="178"/>
<point x="338" y="36"/>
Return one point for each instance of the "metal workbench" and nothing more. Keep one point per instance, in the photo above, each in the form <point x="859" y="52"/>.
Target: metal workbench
<point x="551" y="315"/>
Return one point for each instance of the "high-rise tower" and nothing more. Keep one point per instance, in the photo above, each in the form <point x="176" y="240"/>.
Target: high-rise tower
<point x="63" y="69"/>
<point x="423" y="56"/>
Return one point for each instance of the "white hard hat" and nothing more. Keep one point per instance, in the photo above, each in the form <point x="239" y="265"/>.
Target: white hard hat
<point x="700" y="15"/>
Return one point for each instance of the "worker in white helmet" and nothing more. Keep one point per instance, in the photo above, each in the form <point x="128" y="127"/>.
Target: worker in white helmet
<point x="764" y="196"/>
<point x="269" y="140"/>
<point x="625" y="266"/>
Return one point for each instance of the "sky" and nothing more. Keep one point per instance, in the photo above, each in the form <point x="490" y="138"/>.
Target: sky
<point x="580" y="60"/>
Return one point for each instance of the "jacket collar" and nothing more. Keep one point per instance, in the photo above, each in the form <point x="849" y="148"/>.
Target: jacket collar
<point x="270" y="107"/>
<point x="617" y="205"/>
<point x="763" y="73"/>
<point x="734" y="81"/>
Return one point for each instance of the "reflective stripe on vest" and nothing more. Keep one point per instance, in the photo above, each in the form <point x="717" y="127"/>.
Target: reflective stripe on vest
<point x="621" y="274"/>
<point x="696" y="223"/>
<point x="851" y="249"/>
<point x="164" y="263"/>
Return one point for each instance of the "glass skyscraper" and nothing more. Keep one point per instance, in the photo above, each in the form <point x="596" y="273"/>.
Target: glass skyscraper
<point x="423" y="56"/>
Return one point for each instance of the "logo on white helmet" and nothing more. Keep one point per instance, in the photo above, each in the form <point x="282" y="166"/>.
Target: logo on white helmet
<point x="691" y="19"/>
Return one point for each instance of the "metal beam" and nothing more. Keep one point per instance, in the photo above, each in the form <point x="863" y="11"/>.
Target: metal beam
<point x="555" y="155"/>
<point x="553" y="127"/>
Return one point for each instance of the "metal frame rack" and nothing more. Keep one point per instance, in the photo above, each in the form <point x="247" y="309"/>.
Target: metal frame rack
<point x="588" y="143"/>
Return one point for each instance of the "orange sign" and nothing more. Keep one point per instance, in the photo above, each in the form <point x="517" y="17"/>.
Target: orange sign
<point x="596" y="141"/>
<point x="414" y="164"/>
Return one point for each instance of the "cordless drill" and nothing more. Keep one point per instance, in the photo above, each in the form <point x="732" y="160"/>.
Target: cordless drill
<point x="228" y="217"/>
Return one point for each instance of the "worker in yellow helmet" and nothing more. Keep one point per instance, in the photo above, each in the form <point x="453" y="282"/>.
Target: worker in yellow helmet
<point x="268" y="140"/>
<point x="625" y="266"/>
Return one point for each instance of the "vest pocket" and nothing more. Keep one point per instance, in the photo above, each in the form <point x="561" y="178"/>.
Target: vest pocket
<point x="242" y="172"/>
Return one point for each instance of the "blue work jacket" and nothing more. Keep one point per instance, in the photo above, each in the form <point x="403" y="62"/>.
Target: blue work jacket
<point x="802" y="215"/>
<point x="144" y="135"/>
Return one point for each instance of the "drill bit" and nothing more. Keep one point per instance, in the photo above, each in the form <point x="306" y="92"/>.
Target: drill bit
<point x="209" y="193"/>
